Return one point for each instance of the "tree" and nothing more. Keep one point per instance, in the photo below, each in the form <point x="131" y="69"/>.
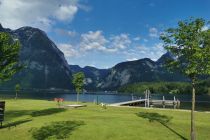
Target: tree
<point x="17" y="90"/>
<point x="9" y="56"/>
<point x="78" y="82"/>
<point x="189" y="43"/>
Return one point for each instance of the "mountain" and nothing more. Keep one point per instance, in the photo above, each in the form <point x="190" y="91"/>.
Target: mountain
<point x="45" y="65"/>
<point x="47" y="68"/>
<point x="162" y="60"/>
<point x="142" y="70"/>
<point x="93" y="76"/>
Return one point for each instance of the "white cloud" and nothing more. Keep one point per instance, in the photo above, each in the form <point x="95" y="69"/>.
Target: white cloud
<point x="72" y="33"/>
<point x="137" y="38"/>
<point x="66" y="32"/>
<point x="37" y="13"/>
<point x="142" y="51"/>
<point x="96" y="41"/>
<point x="153" y="32"/>
<point x="93" y="41"/>
<point x="206" y="27"/>
<point x="84" y="7"/>
<point x="95" y="44"/>
<point x="121" y="41"/>
<point x="68" y="50"/>
<point x="153" y="52"/>
<point x="131" y="59"/>
<point x="66" y="12"/>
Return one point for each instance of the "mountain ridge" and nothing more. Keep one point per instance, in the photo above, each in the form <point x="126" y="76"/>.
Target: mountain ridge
<point x="45" y="64"/>
<point x="128" y="72"/>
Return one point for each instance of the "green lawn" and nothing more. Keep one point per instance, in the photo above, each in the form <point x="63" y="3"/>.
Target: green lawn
<point x="39" y="119"/>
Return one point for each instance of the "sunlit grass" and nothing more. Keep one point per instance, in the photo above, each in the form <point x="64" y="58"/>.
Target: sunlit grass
<point x="28" y="119"/>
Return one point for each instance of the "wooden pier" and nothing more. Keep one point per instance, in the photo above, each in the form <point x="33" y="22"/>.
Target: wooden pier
<point x="149" y="102"/>
<point x="129" y="103"/>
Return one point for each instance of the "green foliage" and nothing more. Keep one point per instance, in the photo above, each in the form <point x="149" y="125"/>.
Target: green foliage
<point x="157" y="88"/>
<point x="9" y="55"/>
<point x="203" y="87"/>
<point x="56" y="130"/>
<point x="190" y="45"/>
<point x="17" y="87"/>
<point x="78" y="81"/>
<point x="17" y="90"/>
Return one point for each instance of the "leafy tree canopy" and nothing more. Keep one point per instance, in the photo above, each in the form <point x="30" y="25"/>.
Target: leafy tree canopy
<point x="189" y="43"/>
<point x="78" y="81"/>
<point x="9" y="56"/>
<point x="17" y="87"/>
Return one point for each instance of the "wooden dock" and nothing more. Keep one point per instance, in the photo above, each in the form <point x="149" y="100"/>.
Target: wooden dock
<point x="149" y="102"/>
<point x="129" y="103"/>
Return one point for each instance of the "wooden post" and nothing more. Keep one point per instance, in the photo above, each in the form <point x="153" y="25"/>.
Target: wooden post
<point x="145" y="99"/>
<point x="178" y="104"/>
<point x="174" y="103"/>
<point x="97" y="100"/>
<point x="148" y="97"/>
<point x="132" y="97"/>
<point x="163" y="102"/>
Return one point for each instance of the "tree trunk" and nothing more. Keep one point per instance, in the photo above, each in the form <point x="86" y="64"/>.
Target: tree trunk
<point x="193" y="134"/>
<point x="16" y="94"/>
<point x="77" y="97"/>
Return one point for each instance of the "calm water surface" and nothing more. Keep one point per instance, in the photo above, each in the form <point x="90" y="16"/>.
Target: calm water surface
<point x="203" y="101"/>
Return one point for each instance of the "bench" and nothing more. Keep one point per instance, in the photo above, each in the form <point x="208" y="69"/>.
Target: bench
<point x="2" y="108"/>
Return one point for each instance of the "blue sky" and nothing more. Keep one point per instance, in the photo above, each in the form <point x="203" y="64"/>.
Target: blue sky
<point x="102" y="33"/>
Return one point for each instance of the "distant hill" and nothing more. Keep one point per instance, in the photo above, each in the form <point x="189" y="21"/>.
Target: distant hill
<point x="45" y="64"/>
<point x="142" y="70"/>
<point x="93" y="75"/>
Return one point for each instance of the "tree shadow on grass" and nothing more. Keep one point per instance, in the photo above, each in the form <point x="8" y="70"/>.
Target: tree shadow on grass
<point x="162" y="119"/>
<point x="56" y="130"/>
<point x="10" y="114"/>
<point x="48" y="111"/>
<point x="15" y="123"/>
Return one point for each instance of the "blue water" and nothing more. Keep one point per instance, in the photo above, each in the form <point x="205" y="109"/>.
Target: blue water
<point x="87" y="97"/>
<point x="203" y="101"/>
<point x="99" y="97"/>
<point x="102" y="97"/>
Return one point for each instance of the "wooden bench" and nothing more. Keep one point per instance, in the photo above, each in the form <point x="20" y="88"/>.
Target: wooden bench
<point x="2" y="108"/>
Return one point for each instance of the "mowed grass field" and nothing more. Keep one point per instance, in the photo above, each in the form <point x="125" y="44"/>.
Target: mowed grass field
<point x="40" y="119"/>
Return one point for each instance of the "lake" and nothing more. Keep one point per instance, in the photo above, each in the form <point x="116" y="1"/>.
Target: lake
<point x="202" y="101"/>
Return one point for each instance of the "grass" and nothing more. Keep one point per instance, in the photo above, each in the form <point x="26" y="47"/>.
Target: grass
<point x="40" y="119"/>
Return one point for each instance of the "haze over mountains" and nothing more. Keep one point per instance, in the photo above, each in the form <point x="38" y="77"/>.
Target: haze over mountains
<point x="47" y="68"/>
